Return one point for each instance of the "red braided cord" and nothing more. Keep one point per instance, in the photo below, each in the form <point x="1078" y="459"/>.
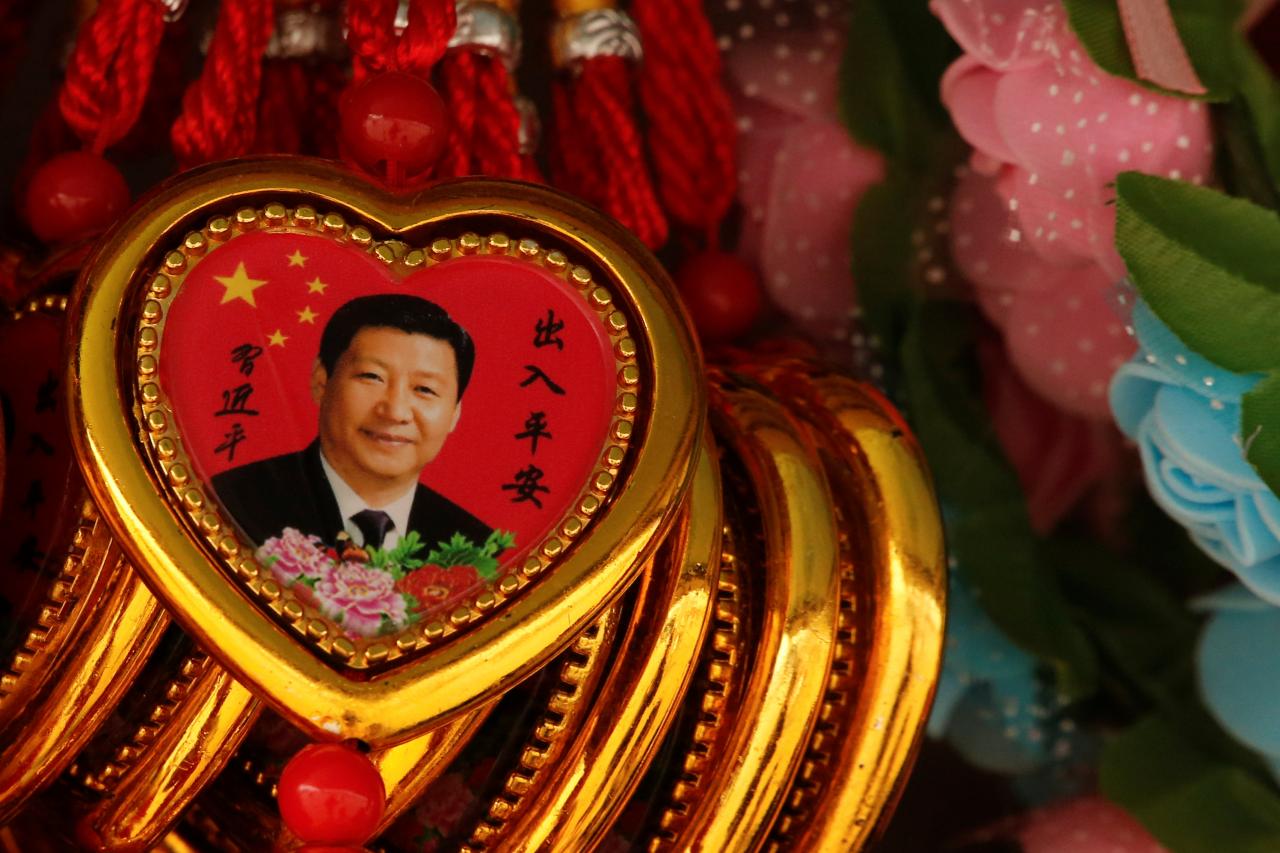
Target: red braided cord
<point x="431" y="25"/>
<point x="373" y="43"/>
<point x="370" y="35"/>
<point x="457" y="84"/>
<point x="323" y="120"/>
<point x="597" y="115"/>
<point x="109" y="70"/>
<point x="571" y="163"/>
<point x="283" y="107"/>
<point x="219" y="116"/>
<point x="498" y="131"/>
<point x="691" y="127"/>
<point x="481" y="141"/>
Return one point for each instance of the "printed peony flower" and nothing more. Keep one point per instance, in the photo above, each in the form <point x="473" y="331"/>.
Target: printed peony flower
<point x="990" y="704"/>
<point x="801" y="176"/>
<point x="1184" y="413"/>
<point x="358" y="597"/>
<point x="1054" y="129"/>
<point x="294" y="554"/>
<point x="1085" y="825"/>
<point x="1239" y="671"/>
<point x="437" y="586"/>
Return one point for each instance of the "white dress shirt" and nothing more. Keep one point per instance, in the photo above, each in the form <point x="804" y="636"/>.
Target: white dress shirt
<point x="350" y="503"/>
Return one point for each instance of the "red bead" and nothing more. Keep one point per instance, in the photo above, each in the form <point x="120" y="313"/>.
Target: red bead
<point x="722" y="294"/>
<point x="331" y="794"/>
<point x="74" y="195"/>
<point x="394" y="124"/>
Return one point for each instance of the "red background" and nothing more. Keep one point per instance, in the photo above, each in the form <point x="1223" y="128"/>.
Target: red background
<point x="497" y="300"/>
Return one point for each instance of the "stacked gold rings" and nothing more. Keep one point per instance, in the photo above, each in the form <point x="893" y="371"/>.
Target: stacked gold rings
<point x="731" y="644"/>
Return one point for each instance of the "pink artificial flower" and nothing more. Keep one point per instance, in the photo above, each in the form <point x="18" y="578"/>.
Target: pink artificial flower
<point x="1085" y="825"/>
<point x="1032" y="223"/>
<point x="1059" y="457"/>
<point x="358" y="597"/>
<point x="1055" y="130"/>
<point x="1063" y="331"/>
<point x="801" y="176"/>
<point x="294" y="554"/>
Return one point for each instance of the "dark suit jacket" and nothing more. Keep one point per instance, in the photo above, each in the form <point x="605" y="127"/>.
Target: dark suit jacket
<point x="291" y="490"/>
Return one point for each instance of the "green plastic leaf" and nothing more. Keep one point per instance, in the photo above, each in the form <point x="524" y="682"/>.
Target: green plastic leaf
<point x="1207" y="264"/>
<point x="1190" y="798"/>
<point x="1145" y="633"/>
<point x="895" y="56"/>
<point x="882" y="252"/>
<point x="1206" y="27"/>
<point x="1250" y="129"/>
<point x="1260" y="429"/>
<point x="987" y="524"/>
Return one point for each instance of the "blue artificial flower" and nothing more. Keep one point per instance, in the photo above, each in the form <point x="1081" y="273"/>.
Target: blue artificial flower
<point x="991" y="704"/>
<point x="1184" y="413"/>
<point x="1240" y="671"/>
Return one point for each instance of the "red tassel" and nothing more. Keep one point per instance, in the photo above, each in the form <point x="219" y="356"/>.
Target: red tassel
<point x="109" y="71"/>
<point x="482" y="140"/>
<point x="375" y="47"/>
<point x="220" y="109"/>
<point x="599" y="155"/>
<point x="691" y="127"/>
<point x="282" y="108"/>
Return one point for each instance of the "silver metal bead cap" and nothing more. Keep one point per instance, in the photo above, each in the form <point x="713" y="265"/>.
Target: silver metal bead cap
<point x="302" y="33"/>
<point x="173" y="9"/>
<point x="490" y="28"/>
<point x="600" y="32"/>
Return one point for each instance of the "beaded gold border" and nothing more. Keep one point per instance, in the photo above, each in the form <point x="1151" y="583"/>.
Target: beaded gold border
<point x="105" y="779"/>
<point x="820" y="757"/>
<point x="722" y="662"/>
<point x="66" y="591"/>
<point x="168" y="457"/>
<point x="566" y="706"/>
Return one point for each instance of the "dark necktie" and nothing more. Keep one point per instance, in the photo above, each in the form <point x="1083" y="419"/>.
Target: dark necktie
<point x="374" y="524"/>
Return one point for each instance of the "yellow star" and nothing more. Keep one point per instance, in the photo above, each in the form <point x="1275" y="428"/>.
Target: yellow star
<point x="316" y="285"/>
<point x="306" y="315"/>
<point x="297" y="259"/>
<point x="277" y="338"/>
<point x="239" y="286"/>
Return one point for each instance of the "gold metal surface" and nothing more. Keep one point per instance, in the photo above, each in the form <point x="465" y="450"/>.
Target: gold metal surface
<point x="408" y="768"/>
<point x="577" y="803"/>
<point x="577" y="687"/>
<point x="87" y="681"/>
<point x="193" y="731"/>
<point x="591" y="572"/>
<point x="718" y="686"/>
<point x="793" y="647"/>
<point x="886" y="498"/>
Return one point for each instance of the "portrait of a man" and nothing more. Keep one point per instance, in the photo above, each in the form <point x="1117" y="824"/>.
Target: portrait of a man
<point x="389" y="380"/>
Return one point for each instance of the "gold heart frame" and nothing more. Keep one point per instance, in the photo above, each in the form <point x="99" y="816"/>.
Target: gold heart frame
<point x="581" y="575"/>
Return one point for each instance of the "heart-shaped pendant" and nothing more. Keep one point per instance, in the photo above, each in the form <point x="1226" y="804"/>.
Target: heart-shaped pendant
<point x="381" y="455"/>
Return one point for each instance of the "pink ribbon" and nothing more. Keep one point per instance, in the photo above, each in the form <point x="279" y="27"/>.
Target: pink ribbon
<point x="1158" y="53"/>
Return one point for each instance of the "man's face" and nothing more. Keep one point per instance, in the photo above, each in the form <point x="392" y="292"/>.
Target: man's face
<point x="388" y="407"/>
